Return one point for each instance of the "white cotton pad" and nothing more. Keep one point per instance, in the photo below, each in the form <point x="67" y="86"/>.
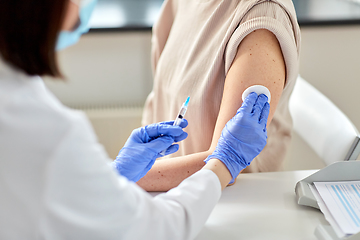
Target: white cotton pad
<point x="258" y="89"/>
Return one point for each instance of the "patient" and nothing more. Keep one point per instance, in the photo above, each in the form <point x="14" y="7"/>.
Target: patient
<point x="212" y="51"/>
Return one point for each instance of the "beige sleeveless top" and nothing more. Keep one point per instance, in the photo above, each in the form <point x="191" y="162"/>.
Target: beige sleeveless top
<point x="193" y="46"/>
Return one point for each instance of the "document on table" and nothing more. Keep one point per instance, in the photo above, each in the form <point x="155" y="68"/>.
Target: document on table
<point x="340" y="203"/>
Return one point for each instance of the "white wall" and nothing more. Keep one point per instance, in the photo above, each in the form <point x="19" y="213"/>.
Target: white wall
<point x="106" y="69"/>
<point x="330" y="61"/>
<point x="114" y="69"/>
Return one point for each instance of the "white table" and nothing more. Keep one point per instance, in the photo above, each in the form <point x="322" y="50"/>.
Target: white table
<point x="262" y="206"/>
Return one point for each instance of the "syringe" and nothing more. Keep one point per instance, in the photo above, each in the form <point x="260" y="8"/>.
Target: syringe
<point x="180" y="116"/>
<point x="182" y="112"/>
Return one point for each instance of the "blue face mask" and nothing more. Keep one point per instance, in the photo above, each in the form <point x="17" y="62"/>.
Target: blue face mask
<point x="67" y="38"/>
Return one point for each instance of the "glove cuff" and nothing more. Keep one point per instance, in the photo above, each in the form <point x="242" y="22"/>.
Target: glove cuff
<point x="234" y="169"/>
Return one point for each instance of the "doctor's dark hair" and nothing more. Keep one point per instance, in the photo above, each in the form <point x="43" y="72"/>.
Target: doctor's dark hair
<point x="28" y="34"/>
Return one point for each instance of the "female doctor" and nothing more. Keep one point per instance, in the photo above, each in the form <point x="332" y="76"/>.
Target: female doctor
<point x="56" y="181"/>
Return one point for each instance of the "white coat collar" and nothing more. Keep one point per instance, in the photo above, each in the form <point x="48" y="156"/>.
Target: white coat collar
<point x="9" y="71"/>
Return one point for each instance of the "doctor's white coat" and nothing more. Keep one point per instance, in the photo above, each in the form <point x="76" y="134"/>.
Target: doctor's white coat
<point x="55" y="181"/>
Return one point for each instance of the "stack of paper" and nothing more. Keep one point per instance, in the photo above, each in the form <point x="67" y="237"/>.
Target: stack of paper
<point x="340" y="203"/>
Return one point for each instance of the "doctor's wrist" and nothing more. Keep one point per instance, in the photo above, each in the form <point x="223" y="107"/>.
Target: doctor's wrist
<point x="221" y="171"/>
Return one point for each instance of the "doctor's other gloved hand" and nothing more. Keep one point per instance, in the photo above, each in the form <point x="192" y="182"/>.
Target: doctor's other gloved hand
<point x="244" y="136"/>
<point x="144" y="145"/>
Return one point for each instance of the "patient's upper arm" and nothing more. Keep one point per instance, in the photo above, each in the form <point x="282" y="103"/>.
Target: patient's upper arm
<point x="258" y="61"/>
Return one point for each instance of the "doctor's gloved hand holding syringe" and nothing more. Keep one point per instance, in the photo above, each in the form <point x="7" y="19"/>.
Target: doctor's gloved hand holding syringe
<point x="145" y="144"/>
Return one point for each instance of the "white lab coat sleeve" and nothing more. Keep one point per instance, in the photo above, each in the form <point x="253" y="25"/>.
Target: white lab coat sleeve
<point x="85" y="198"/>
<point x="191" y="203"/>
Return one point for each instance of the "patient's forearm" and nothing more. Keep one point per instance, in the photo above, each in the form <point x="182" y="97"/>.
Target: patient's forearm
<point x="169" y="173"/>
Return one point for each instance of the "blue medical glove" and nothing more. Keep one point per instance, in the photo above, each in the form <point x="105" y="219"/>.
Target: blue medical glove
<point x="244" y="136"/>
<point x="144" y="145"/>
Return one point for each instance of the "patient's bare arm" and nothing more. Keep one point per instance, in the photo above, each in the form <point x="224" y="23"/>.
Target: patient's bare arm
<point x="259" y="61"/>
